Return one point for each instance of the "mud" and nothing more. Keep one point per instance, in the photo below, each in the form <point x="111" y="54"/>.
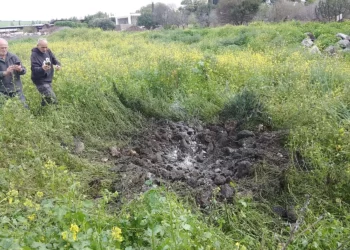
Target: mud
<point x="199" y="159"/>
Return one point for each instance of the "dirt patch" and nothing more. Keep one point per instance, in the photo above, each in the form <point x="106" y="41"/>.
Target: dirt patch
<point x="199" y="159"/>
<point x="134" y="28"/>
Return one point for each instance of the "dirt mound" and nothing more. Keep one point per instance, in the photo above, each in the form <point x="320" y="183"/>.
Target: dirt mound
<point x="197" y="159"/>
<point x="134" y="28"/>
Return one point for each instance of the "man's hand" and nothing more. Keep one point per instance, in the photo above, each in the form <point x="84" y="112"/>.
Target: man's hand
<point x="9" y="71"/>
<point x="17" y="68"/>
<point x="46" y="67"/>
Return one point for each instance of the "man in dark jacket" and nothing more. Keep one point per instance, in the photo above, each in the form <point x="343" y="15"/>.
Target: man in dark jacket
<point x="43" y="64"/>
<point x="11" y="70"/>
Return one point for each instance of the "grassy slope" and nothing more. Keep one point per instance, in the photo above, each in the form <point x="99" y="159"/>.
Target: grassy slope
<point x="200" y="70"/>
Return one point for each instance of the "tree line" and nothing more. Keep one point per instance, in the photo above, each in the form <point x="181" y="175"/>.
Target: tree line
<point x="206" y="13"/>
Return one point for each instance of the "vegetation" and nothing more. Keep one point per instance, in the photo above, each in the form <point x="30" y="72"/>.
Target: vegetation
<point x="46" y="197"/>
<point x="238" y="12"/>
<point x="103" y="23"/>
<point x="329" y="10"/>
<point x="72" y="24"/>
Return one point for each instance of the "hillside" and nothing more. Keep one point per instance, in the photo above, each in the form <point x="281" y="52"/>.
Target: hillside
<point x="234" y="137"/>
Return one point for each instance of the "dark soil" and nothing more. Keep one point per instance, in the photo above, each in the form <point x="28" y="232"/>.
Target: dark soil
<point x="199" y="159"/>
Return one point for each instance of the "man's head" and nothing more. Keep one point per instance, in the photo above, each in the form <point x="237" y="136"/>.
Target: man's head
<point x="3" y="47"/>
<point x="42" y="45"/>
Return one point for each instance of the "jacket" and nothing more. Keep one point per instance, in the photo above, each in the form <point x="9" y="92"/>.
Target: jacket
<point x="40" y="76"/>
<point x="11" y="83"/>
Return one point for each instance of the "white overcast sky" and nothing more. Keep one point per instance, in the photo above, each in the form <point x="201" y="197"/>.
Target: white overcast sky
<point x="26" y="10"/>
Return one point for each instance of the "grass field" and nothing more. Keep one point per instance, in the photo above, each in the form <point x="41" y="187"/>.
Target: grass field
<point x="45" y="196"/>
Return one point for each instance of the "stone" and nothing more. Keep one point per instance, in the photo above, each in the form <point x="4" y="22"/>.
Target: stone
<point x="227" y="192"/>
<point x="245" y="134"/>
<point x="204" y="198"/>
<point x="307" y="42"/>
<point x="114" y="151"/>
<point x="228" y="150"/>
<point x="314" y="50"/>
<point x="244" y="169"/>
<point x="344" y="44"/>
<point x="219" y="180"/>
<point x="79" y="147"/>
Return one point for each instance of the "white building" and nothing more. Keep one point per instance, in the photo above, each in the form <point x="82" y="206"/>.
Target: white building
<point x="124" y="22"/>
<point x="130" y="19"/>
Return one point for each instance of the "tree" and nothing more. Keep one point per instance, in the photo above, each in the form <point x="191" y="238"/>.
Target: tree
<point x="213" y="18"/>
<point x="237" y="11"/>
<point x="202" y="14"/>
<point x="146" y="20"/>
<point x="99" y="14"/>
<point x="157" y="14"/>
<point x="201" y="9"/>
<point x="103" y="23"/>
<point x="193" y="5"/>
<point x="161" y="14"/>
<point x="328" y="10"/>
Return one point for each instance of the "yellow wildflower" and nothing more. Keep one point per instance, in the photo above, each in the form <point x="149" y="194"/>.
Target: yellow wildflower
<point x="13" y="193"/>
<point x="28" y="203"/>
<point x="116" y="234"/>
<point x="64" y="235"/>
<point x="240" y="247"/>
<point x="39" y="194"/>
<point x="31" y="217"/>
<point x="74" y="228"/>
<point x="75" y="236"/>
<point x="50" y="164"/>
<point x="10" y="200"/>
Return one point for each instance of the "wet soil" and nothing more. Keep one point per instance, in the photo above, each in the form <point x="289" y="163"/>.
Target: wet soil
<point x="199" y="159"/>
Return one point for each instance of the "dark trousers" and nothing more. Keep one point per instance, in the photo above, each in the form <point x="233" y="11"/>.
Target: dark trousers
<point x="18" y="93"/>
<point x="48" y="96"/>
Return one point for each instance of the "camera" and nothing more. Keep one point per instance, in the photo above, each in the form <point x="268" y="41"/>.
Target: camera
<point x="47" y="61"/>
<point x="18" y="63"/>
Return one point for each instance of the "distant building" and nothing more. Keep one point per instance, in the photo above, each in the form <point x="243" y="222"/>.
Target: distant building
<point x="134" y="17"/>
<point x="213" y="2"/>
<point x="131" y="19"/>
<point x="125" y="22"/>
<point x="122" y="20"/>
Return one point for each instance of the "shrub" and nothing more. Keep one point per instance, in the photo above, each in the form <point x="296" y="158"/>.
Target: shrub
<point x="246" y="108"/>
<point x="71" y="24"/>
<point x="103" y="23"/>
